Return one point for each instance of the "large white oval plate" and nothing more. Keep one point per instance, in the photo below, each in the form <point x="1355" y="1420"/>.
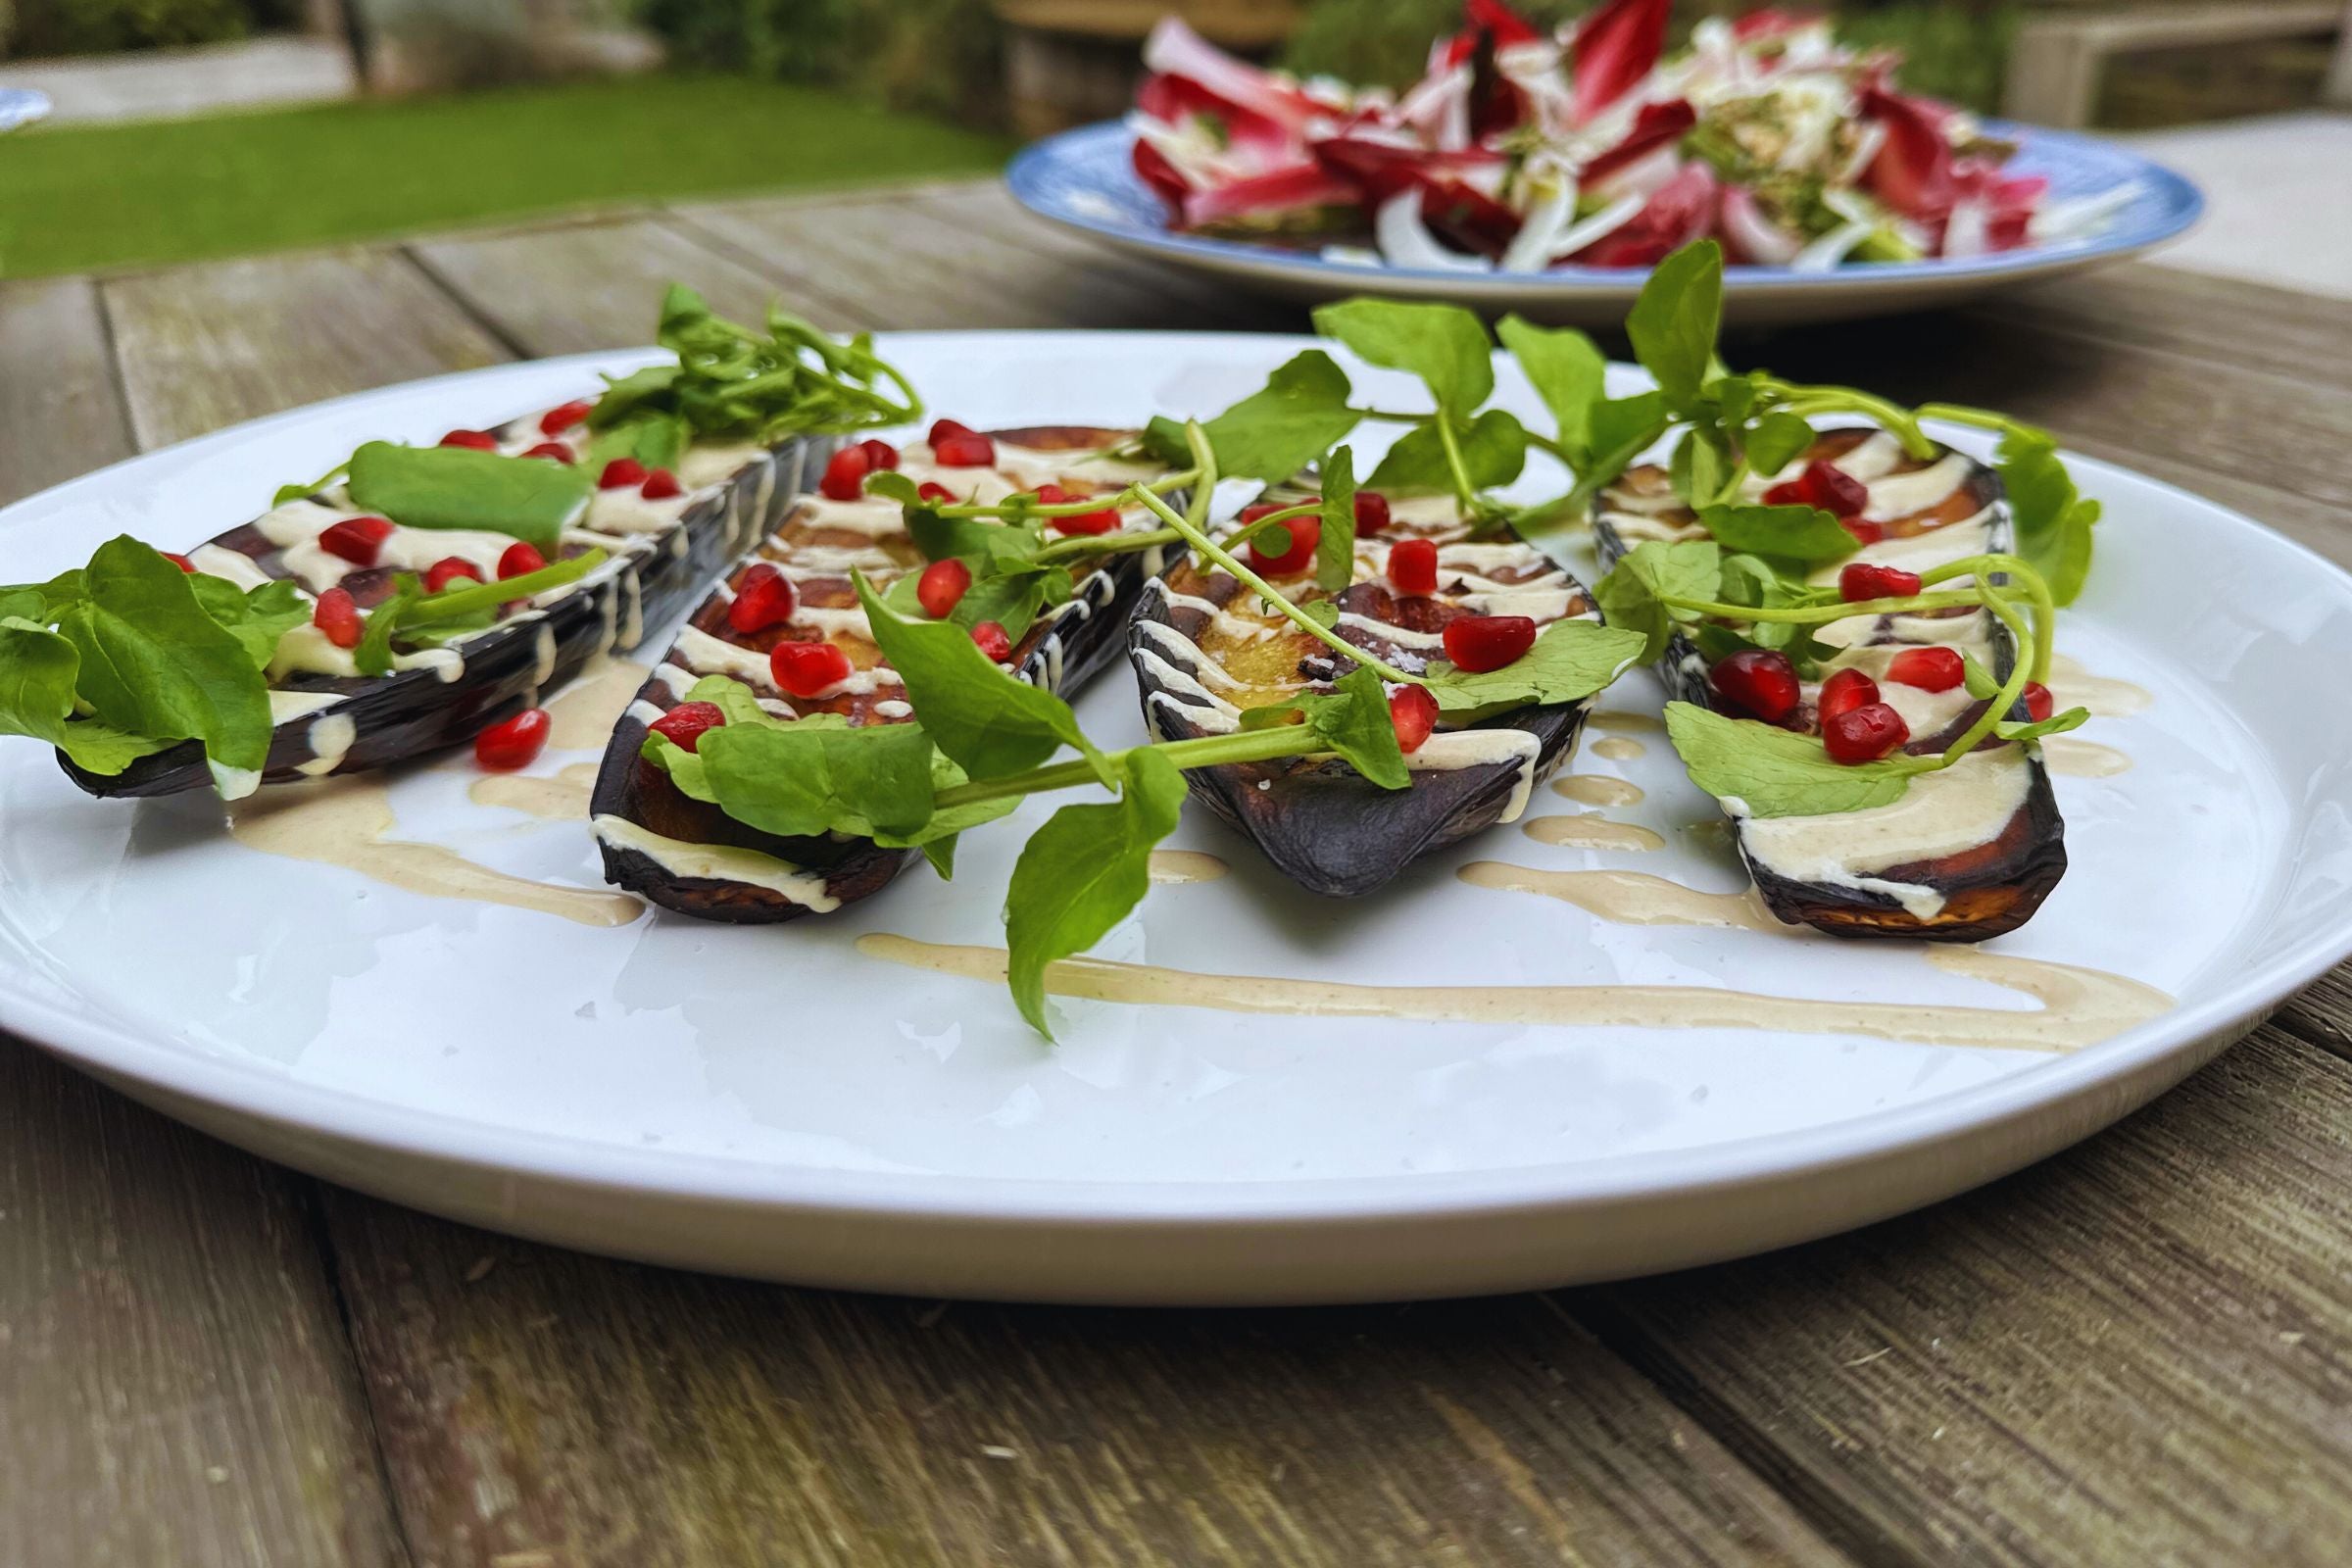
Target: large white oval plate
<point x="772" y="1102"/>
<point x="1085" y="180"/>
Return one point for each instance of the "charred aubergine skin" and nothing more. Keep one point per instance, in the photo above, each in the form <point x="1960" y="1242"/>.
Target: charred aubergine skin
<point x="1989" y="888"/>
<point x="1325" y="825"/>
<point x="1064" y="649"/>
<point x="507" y="667"/>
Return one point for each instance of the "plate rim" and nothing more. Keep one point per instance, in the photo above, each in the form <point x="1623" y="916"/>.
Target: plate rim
<point x="2183" y="201"/>
<point x="245" y="1091"/>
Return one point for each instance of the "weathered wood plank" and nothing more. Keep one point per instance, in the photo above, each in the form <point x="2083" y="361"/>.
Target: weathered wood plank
<point x="2138" y="1352"/>
<point x="580" y="286"/>
<point x="61" y="414"/>
<point x="2225" y="320"/>
<point x="2249" y="424"/>
<point x="533" y="1399"/>
<point x="202" y="346"/>
<point x="2326" y="528"/>
<point x="907" y="270"/>
<point x="177" y="1383"/>
<point x="2323" y="1015"/>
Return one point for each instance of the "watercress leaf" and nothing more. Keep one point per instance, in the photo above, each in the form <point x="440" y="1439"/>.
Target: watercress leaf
<point x="1631" y="595"/>
<point x="1445" y="345"/>
<point x="1335" y="547"/>
<point x="373" y="654"/>
<point x="1082" y="873"/>
<point x="1797" y="533"/>
<point x="1324" y="613"/>
<point x="1570" y="661"/>
<point x="1352" y="719"/>
<point x="2018" y="729"/>
<point x="946" y="823"/>
<point x="654" y="438"/>
<point x="941" y="853"/>
<point x="457" y="487"/>
<point x="1622" y="428"/>
<point x="989" y="722"/>
<point x="41" y="601"/>
<point x="1760" y="770"/>
<point x="1775" y="440"/>
<point x="257" y="618"/>
<point x="1569" y="373"/>
<point x="2052" y="521"/>
<point x="300" y="491"/>
<point x="1977" y="679"/>
<point x="37" y="673"/>
<point x="632" y="397"/>
<point x="154" y="665"/>
<point x="1000" y="544"/>
<point x="1493" y="450"/>
<point x="1758" y="583"/>
<point x="1674" y="323"/>
<point x="811" y="777"/>
<point x="1733" y="396"/>
<point x="731" y="696"/>
<point x="1276" y="431"/>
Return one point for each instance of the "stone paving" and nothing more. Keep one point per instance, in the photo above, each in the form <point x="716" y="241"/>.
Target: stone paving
<point x="164" y="84"/>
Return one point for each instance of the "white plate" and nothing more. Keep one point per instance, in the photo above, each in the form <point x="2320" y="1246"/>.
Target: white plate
<point x="1085" y="180"/>
<point x="771" y="1102"/>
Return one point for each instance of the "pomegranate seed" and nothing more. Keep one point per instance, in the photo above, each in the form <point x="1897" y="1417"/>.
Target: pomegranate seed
<point x="1088" y="522"/>
<point x="503" y="748"/>
<point x="558" y="420"/>
<point x="471" y="440"/>
<point x="947" y="430"/>
<point x="337" y="616"/>
<point x="1863" y="580"/>
<point x="1760" y="681"/>
<point x="521" y="557"/>
<point x="1865" y="533"/>
<point x="2039" y="703"/>
<point x="356" y="539"/>
<point x="1480" y="642"/>
<point x="685" y="724"/>
<point x="845" y="474"/>
<point x="1371" y="513"/>
<point x="964" y="452"/>
<point x="1413" y="566"/>
<point x="1931" y="670"/>
<point x="622" y="473"/>
<point x="1414" y="713"/>
<point x="989" y="637"/>
<point x="1845" y="691"/>
<point x="940" y="589"/>
<point x="807" y="669"/>
<point x="662" y="485"/>
<point x="1823" y="485"/>
<point x="879" y="454"/>
<point x="448" y="569"/>
<point x="764" y="598"/>
<point x="1864" y="734"/>
<point x="1305" y="534"/>
<point x="933" y="490"/>
<point x="182" y="562"/>
<point x="554" y="451"/>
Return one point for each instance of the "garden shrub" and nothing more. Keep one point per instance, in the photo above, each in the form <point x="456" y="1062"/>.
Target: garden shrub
<point x="43" y="27"/>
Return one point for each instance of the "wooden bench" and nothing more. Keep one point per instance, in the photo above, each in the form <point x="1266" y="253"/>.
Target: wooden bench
<point x="2054" y="64"/>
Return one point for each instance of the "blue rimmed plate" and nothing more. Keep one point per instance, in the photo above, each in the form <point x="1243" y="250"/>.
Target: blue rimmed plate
<point x="21" y="106"/>
<point x="1084" y="180"/>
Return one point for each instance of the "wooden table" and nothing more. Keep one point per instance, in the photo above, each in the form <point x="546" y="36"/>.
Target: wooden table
<point x="2139" y="1352"/>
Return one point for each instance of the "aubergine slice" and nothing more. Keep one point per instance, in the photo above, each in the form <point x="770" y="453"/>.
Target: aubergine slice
<point x="330" y="718"/>
<point x="1205" y="651"/>
<point x="687" y="855"/>
<point x="1969" y="852"/>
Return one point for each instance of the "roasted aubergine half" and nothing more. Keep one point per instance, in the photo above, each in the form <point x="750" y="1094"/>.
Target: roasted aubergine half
<point x="1966" y="852"/>
<point x="417" y="596"/>
<point x="787" y="623"/>
<point x="1207" y="650"/>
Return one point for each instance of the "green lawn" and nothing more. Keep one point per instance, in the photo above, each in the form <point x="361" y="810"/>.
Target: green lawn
<point x="91" y="196"/>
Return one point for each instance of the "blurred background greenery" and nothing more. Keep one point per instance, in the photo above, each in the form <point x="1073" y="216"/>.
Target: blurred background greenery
<point x="440" y="112"/>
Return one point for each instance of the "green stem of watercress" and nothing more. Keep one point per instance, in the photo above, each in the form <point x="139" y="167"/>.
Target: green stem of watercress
<point x="2005" y="700"/>
<point x="1203" y="751"/>
<point x="2037" y="592"/>
<point x="1897" y="421"/>
<point x="1198" y="537"/>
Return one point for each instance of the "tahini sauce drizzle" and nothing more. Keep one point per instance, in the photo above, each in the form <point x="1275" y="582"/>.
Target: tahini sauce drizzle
<point x="2080" y="759"/>
<point x="2080" y="1007"/>
<point x="1619" y="748"/>
<point x="1171" y="867"/>
<point x="1629" y="897"/>
<point x="2073" y="686"/>
<point x="1597" y="789"/>
<point x="344" y="822"/>
<point x="1589" y="830"/>
<point x="561" y="798"/>
<point x="581" y="719"/>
